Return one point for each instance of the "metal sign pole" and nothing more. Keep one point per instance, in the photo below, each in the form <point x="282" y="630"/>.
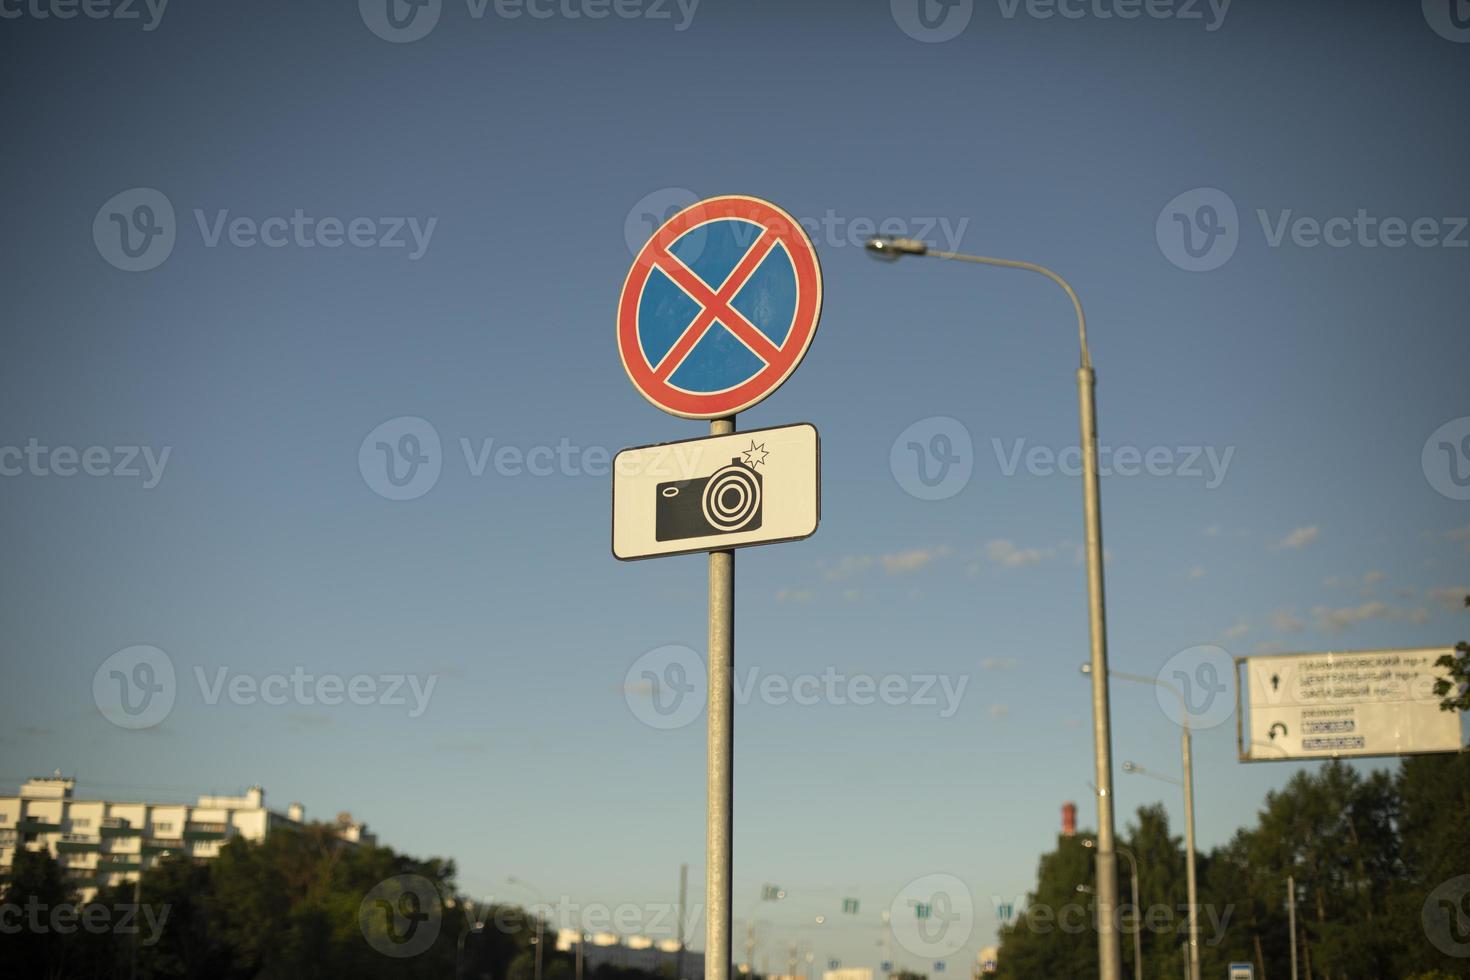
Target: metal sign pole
<point x="720" y="770"/>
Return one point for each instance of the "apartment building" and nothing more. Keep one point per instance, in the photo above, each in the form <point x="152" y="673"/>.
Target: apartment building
<point x="100" y="843"/>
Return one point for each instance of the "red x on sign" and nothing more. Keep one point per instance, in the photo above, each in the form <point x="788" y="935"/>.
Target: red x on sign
<point x="719" y="308"/>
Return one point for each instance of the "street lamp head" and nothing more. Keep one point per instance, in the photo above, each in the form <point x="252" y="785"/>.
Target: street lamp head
<point x="889" y="248"/>
<point x="1088" y="842"/>
<point x="1085" y="668"/>
<point x="1132" y="767"/>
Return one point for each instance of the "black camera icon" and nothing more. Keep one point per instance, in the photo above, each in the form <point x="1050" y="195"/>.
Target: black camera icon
<point x="726" y="501"/>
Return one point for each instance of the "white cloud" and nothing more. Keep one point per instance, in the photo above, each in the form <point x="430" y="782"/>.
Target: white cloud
<point x="795" y="595"/>
<point x="999" y="710"/>
<point x="1006" y="553"/>
<point x="1285" y="621"/>
<point x="897" y="563"/>
<point x="1300" y="537"/>
<point x="848" y="567"/>
<point x="998" y="663"/>
<point x="1239" y="629"/>
<point x="1419" y="615"/>
<point x="1337" y="620"/>
<point x="1212" y="531"/>
<point x="1269" y="647"/>
<point x="1372" y="578"/>
<point x="1452" y="598"/>
<point x="1459" y="534"/>
<point x="1198" y="571"/>
<point x="904" y="562"/>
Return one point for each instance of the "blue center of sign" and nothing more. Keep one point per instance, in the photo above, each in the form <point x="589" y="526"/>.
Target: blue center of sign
<point x="720" y="360"/>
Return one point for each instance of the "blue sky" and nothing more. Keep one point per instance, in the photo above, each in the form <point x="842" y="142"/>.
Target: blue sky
<point x="534" y="146"/>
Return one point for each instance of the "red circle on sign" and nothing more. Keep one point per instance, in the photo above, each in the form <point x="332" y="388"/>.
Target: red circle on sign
<point x="777" y="228"/>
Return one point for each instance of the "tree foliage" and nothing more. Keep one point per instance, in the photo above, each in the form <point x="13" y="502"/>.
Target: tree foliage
<point x="1456" y="688"/>
<point x="1365" y="853"/>
<point x="285" y="907"/>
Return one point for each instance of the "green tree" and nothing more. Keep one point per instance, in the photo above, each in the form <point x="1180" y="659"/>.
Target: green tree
<point x="1054" y="936"/>
<point x="1456" y="689"/>
<point x="36" y="891"/>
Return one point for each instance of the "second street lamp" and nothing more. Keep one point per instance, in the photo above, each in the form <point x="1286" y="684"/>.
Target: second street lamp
<point x="1137" y="911"/>
<point x="1109" y="953"/>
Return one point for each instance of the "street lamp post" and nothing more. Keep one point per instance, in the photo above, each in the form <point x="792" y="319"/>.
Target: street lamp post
<point x="540" y="925"/>
<point x="1110" y="964"/>
<point x="1137" y="911"/>
<point x="1186" y="746"/>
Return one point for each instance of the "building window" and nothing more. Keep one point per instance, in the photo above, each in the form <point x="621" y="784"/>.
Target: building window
<point x="79" y="822"/>
<point x="163" y="826"/>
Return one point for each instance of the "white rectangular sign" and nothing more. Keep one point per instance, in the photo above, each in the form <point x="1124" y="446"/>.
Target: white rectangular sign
<point x="1357" y="702"/>
<point x="754" y="487"/>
